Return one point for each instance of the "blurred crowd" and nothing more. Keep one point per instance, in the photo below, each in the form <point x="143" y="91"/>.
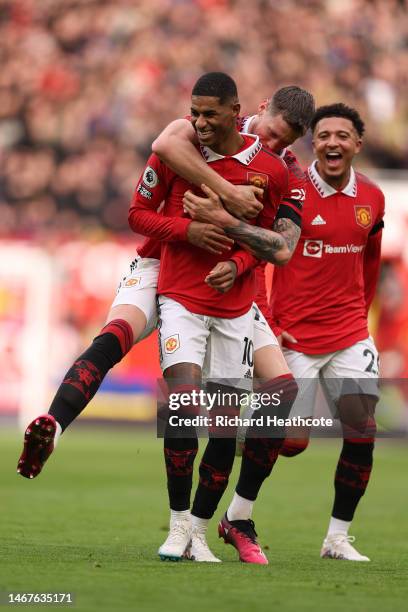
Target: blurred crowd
<point x="86" y="85"/>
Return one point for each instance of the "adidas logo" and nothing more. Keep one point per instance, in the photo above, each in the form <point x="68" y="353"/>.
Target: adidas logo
<point x="318" y="221"/>
<point x="248" y="374"/>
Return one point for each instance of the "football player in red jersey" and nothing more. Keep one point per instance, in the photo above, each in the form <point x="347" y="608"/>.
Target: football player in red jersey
<point x="333" y="274"/>
<point x="279" y="123"/>
<point x="320" y="302"/>
<point x="195" y="315"/>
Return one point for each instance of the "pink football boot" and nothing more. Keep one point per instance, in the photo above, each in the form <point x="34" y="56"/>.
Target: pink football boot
<point x="242" y="535"/>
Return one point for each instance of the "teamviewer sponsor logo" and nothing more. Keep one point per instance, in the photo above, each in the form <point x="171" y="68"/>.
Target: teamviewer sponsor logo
<point x="316" y="248"/>
<point x="345" y="248"/>
<point x="313" y="248"/>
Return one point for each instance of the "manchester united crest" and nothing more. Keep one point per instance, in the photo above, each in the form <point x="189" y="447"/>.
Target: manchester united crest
<point x="363" y="215"/>
<point x="171" y="344"/>
<point x="258" y="179"/>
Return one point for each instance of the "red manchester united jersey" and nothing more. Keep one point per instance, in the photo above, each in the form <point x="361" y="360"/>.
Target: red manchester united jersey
<point x="294" y="197"/>
<point x="321" y="295"/>
<point x="183" y="266"/>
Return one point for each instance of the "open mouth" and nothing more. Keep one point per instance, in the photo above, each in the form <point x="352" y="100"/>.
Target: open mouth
<point x="334" y="159"/>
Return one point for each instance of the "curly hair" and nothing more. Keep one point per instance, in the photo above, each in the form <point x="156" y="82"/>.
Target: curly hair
<point x="339" y="110"/>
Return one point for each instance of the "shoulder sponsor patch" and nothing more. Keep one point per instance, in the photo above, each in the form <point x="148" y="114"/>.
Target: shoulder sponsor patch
<point x="297" y="194"/>
<point x="171" y="344"/>
<point x="363" y="215"/>
<point x="150" y="177"/>
<point x="145" y="193"/>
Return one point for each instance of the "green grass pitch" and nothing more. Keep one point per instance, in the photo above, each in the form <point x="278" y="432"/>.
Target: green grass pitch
<point x="91" y="524"/>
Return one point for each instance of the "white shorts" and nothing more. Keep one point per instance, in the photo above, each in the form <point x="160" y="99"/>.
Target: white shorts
<point x="139" y="289"/>
<point x="353" y="370"/>
<point x="263" y="335"/>
<point x="223" y="348"/>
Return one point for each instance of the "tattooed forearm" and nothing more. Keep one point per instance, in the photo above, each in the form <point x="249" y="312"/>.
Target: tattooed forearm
<point x="264" y="244"/>
<point x="289" y="230"/>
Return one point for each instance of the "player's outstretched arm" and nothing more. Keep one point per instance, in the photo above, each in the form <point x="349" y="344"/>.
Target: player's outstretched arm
<point x="175" y="146"/>
<point x="275" y="246"/>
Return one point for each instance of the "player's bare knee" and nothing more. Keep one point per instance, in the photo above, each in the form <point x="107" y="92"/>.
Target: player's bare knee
<point x="269" y="363"/>
<point x="134" y="316"/>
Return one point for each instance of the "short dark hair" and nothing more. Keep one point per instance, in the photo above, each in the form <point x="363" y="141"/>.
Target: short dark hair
<point x="296" y="105"/>
<point x="339" y="110"/>
<point x="216" y="84"/>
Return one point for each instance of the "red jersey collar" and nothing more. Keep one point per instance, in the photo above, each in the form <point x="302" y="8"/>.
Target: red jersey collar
<point x="245" y="155"/>
<point x="325" y="190"/>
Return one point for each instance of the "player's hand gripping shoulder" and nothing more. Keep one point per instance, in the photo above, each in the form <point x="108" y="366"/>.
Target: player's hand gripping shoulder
<point x="222" y="276"/>
<point x="209" y="237"/>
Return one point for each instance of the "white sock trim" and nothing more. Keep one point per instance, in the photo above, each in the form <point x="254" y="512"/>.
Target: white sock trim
<point x="338" y="526"/>
<point x="58" y="432"/>
<point x="240" y="508"/>
<point x="179" y="515"/>
<point x="199" y="524"/>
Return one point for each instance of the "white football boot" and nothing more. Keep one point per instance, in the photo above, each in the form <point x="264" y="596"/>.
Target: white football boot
<point x="338" y="546"/>
<point x="198" y="549"/>
<point x="177" y="541"/>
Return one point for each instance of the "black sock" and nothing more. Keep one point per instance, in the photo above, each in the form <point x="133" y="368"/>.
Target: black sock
<point x="351" y="478"/>
<point x="258" y="458"/>
<point x="85" y="376"/>
<point x="179" y="455"/>
<point x="215" y="468"/>
<point x="260" y="453"/>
